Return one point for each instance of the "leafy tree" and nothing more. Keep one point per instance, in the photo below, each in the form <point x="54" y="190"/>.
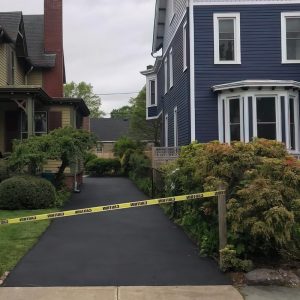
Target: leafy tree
<point x="67" y="145"/>
<point x="121" y="113"/>
<point x="85" y="91"/>
<point x="140" y="128"/>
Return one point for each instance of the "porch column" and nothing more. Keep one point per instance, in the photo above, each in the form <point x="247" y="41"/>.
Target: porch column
<point x="30" y="115"/>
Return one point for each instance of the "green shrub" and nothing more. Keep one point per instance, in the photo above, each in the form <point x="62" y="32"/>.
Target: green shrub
<point x="263" y="182"/>
<point x="62" y="197"/>
<point x="3" y="170"/>
<point x="89" y="157"/>
<point x="124" y="144"/>
<point x="101" y="167"/>
<point x="230" y="262"/>
<point x="26" y="192"/>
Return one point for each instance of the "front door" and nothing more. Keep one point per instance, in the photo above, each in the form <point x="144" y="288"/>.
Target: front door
<point x="12" y="128"/>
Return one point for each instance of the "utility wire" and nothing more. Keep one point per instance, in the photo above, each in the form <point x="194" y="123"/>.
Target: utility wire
<point x="109" y="94"/>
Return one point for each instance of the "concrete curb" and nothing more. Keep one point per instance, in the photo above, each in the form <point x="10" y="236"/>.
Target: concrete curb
<point x="123" y="293"/>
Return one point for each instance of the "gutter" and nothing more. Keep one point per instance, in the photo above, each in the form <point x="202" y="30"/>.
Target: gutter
<point x="27" y="73"/>
<point x="192" y="71"/>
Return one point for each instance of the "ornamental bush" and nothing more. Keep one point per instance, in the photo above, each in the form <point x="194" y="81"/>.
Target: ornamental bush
<point x="102" y="167"/>
<point x="26" y="192"/>
<point x="263" y="183"/>
<point x="3" y="170"/>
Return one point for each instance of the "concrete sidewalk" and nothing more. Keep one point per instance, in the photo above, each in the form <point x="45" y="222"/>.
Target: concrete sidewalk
<point x="122" y="293"/>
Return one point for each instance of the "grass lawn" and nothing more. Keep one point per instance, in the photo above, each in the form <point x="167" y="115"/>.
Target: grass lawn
<point x="17" y="239"/>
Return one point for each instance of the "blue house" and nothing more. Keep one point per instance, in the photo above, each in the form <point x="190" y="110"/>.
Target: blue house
<point x="226" y="70"/>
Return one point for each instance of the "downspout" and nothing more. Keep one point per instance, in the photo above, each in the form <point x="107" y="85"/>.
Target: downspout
<point x="26" y="75"/>
<point x="192" y="70"/>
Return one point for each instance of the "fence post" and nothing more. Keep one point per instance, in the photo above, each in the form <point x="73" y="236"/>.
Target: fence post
<point x="222" y="218"/>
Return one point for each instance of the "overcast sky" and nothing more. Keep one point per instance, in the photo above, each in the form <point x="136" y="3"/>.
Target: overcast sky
<point x="106" y="43"/>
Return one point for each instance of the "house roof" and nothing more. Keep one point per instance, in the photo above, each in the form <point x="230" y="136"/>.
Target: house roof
<point x="245" y="84"/>
<point x="108" y="129"/>
<point x="77" y="102"/>
<point x="159" y="25"/>
<point x="34" y="29"/>
<point x="10" y="23"/>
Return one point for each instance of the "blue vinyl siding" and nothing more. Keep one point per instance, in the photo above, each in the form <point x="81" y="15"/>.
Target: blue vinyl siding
<point x="178" y="95"/>
<point x="260" y="55"/>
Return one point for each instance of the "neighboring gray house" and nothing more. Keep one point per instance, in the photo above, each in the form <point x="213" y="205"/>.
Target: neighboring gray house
<point x="108" y="131"/>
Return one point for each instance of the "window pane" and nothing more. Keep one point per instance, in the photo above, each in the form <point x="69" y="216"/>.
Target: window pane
<point x="293" y="48"/>
<point x="40" y="119"/>
<point x="266" y="111"/>
<point x="292" y="124"/>
<point x="226" y="26"/>
<point x="293" y="24"/>
<point x="266" y="117"/>
<point x="152" y="92"/>
<point x="234" y="106"/>
<point x="226" y="50"/>
<point x="266" y="131"/>
<point x="235" y="127"/>
<point x="226" y="39"/>
<point x="235" y="132"/>
<point x="293" y="38"/>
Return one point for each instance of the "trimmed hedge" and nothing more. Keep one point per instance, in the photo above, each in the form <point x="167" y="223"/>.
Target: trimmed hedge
<point x="101" y="167"/>
<point x="26" y="192"/>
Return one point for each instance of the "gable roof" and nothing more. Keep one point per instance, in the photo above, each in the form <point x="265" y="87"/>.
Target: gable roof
<point x="34" y="29"/>
<point x="10" y="23"/>
<point x="108" y="129"/>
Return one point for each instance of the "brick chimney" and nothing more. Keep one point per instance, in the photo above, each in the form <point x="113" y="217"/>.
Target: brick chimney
<point x="53" y="79"/>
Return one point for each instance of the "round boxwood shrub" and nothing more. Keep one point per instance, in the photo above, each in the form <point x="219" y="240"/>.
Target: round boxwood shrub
<point x="26" y="192"/>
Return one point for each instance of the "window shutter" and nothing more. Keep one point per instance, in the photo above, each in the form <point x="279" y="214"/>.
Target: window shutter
<point x="54" y="120"/>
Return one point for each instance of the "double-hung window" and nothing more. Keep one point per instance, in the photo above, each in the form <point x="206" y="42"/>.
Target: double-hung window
<point x="175" y="127"/>
<point x="227" y="41"/>
<point x="290" y="37"/>
<point x="151" y="91"/>
<point x="171" y="71"/>
<point x="166" y="74"/>
<point x="184" y="41"/>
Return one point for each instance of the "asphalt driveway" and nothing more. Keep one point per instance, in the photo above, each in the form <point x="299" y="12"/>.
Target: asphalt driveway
<point x="135" y="247"/>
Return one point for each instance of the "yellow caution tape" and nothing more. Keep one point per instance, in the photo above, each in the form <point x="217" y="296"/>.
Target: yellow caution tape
<point x="106" y="208"/>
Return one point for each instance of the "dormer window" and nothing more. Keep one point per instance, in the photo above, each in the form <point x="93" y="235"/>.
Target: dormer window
<point x="227" y="45"/>
<point x="290" y="37"/>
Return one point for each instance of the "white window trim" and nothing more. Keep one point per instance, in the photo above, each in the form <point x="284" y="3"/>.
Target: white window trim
<point x="184" y="43"/>
<point x="171" y="70"/>
<point x="175" y="127"/>
<point x="237" y="38"/>
<point x="226" y="100"/>
<point x="284" y="16"/>
<point x="277" y="97"/>
<point x="166" y="74"/>
<point x="166" y="130"/>
<point x="295" y="97"/>
<point x="148" y="89"/>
